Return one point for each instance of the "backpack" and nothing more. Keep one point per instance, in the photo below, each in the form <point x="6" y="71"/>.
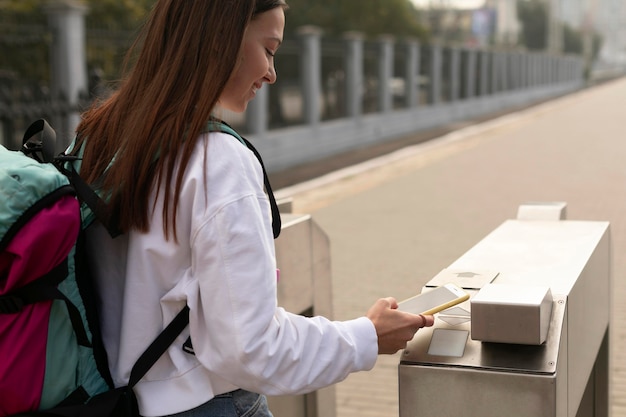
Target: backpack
<point x="51" y="354"/>
<point x="52" y="360"/>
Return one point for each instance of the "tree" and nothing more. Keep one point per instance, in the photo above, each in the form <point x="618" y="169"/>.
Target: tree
<point x="20" y="5"/>
<point x="533" y="16"/>
<point x="25" y="37"/>
<point x="372" y="17"/>
<point x="24" y="40"/>
<point x="572" y="40"/>
<point x="113" y="24"/>
<point x="119" y="14"/>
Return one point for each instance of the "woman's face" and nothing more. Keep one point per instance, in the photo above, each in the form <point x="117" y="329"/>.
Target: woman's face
<point x="256" y="61"/>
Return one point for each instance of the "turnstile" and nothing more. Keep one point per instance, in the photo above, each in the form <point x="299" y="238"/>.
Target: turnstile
<point x="445" y="372"/>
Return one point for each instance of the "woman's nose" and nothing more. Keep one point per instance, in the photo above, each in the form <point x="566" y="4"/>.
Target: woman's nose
<point x="271" y="75"/>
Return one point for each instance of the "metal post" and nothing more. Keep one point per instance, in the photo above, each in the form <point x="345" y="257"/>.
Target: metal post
<point x="505" y="67"/>
<point x="385" y="73"/>
<point x="495" y="71"/>
<point x="470" y="74"/>
<point x="412" y="87"/>
<point x="354" y="73"/>
<point x="68" y="63"/>
<point x="311" y="70"/>
<point x="435" y="75"/>
<point x="257" y="113"/>
<point x="455" y="71"/>
<point x="523" y="64"/>
<point x="484" y="73"/>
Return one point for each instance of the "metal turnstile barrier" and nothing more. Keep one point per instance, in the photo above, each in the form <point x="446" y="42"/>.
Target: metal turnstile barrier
<point x="303" y="257"/>
<point x="538" y="273"/>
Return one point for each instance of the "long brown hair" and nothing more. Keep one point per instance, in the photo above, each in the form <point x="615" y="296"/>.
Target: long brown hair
<point x="187" y="52"/>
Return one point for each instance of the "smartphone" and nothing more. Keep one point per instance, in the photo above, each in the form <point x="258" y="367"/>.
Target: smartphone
<point x="435" y="300"/>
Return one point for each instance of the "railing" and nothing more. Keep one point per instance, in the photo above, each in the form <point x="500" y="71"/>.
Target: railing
<point x="386" y="89"/>
<point x="332" y="95"/>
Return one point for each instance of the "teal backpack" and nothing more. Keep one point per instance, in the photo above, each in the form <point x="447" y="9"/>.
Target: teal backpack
<point x="52" y="360"/>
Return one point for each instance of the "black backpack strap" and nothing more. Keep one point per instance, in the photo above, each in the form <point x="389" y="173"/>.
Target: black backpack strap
<point x="39" y="141"/>
<point x="215" y="125"/>
<point x="159" y="346"/>
<point x="276" y="221"/>
<point x="89" y="196"/>
<point x="45" y="289"/>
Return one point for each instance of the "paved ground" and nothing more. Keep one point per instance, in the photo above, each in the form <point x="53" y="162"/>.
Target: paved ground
<point x="397" y="220"/>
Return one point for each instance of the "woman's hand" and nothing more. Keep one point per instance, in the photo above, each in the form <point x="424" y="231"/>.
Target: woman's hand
<point x="395" y="328"/>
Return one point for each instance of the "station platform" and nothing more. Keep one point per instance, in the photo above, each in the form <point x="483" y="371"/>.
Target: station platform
<point x="396" y="220"/>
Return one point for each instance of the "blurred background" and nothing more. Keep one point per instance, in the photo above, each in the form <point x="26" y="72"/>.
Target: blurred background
<point x="35" y="83"/>
<point x="353" y="74"/>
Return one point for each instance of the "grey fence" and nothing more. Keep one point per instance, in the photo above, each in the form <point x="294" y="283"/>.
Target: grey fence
<point x="332" y="95"/>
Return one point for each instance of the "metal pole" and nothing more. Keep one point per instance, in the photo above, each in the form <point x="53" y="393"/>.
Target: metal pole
<point x="68" y="61"/>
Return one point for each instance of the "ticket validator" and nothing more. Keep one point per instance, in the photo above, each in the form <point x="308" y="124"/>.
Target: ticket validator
<point x="532" y="340"/>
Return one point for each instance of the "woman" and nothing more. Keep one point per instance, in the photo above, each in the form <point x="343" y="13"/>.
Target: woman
<point x="197" y="226"/>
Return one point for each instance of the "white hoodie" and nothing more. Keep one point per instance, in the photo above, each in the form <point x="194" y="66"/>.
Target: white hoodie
<point x="223" y="266"/>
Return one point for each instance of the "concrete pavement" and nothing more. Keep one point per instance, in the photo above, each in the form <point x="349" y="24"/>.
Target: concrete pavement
<point x="397" y="220"/>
